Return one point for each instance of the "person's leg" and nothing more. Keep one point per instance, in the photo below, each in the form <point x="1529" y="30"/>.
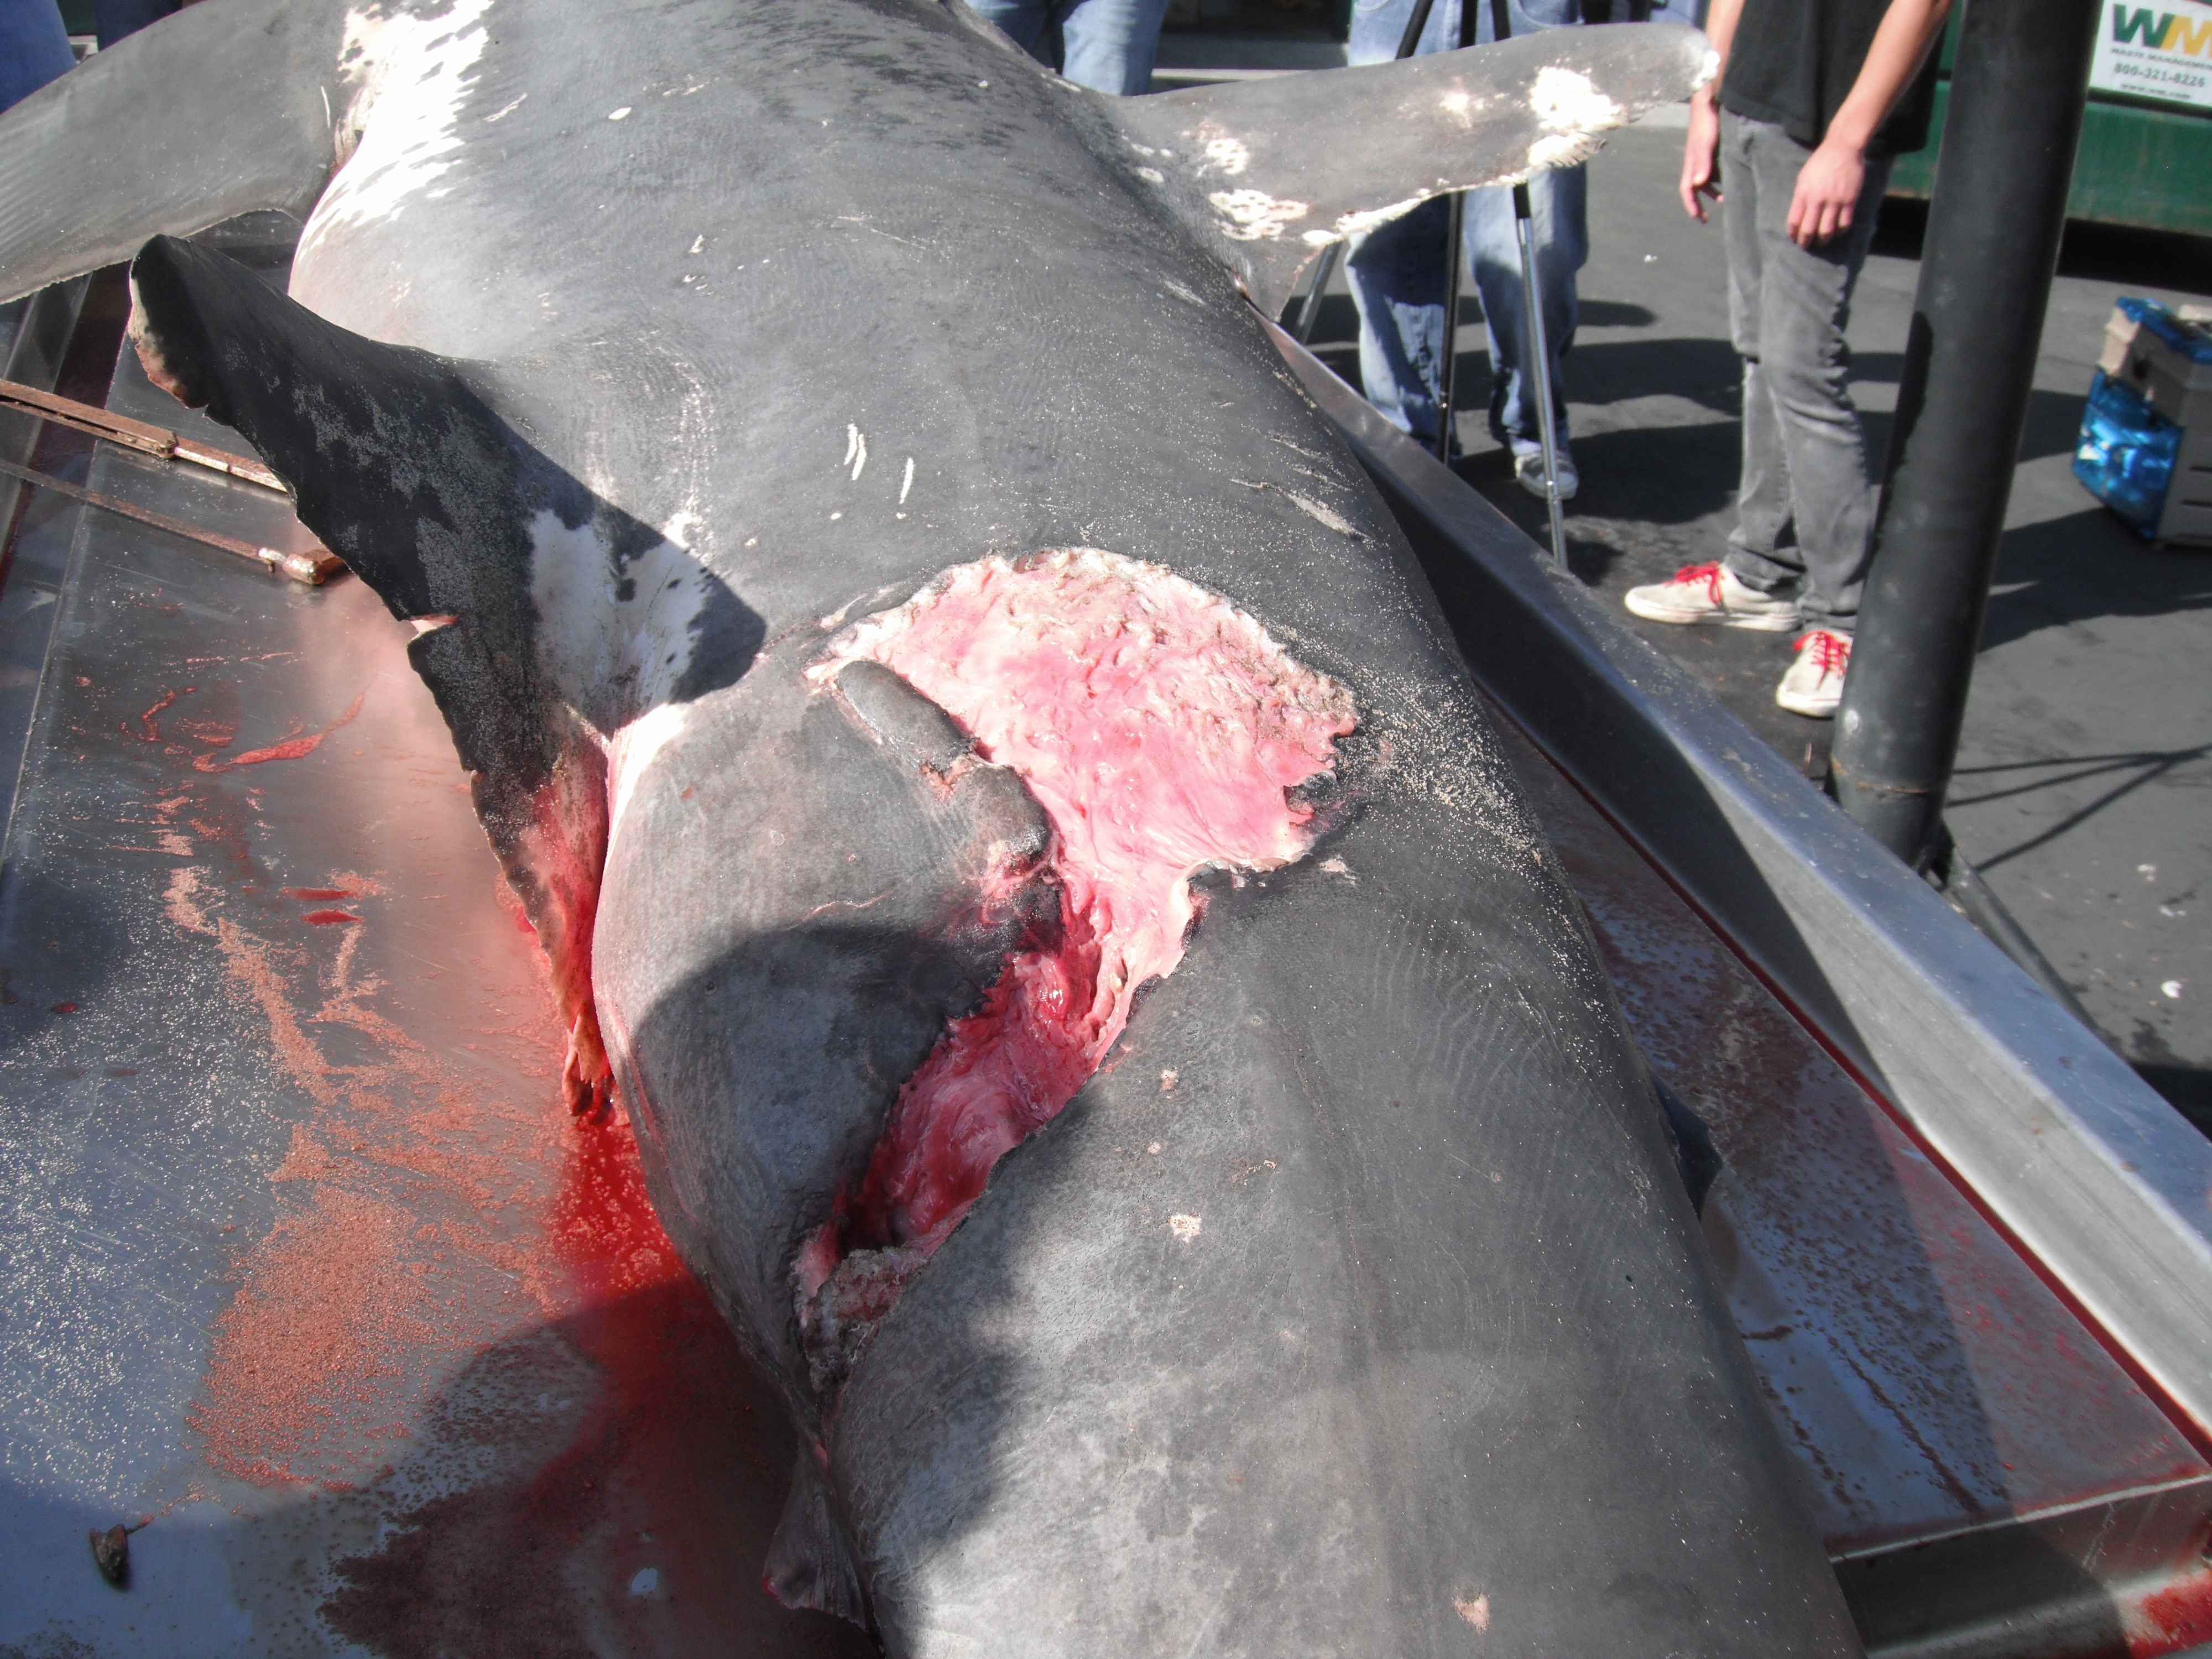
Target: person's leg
<point x="1109" y="45"/>
<point x="1377" y="26"/>
<point x="1559" y="235"/>
<point x="116" y="18"/>
<point x="1396" y="275"/>
<point x="1804" y="309"/>
<point x="34" y="48"/>
<point x="1023" y="20"/>
<point x="1743" y="589"/>
<point x="1762" y="554"/>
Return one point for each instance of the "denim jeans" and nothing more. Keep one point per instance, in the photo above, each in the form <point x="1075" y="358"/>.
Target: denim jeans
<point x="118" y="18"/>
<point x="1396" y="272"/>
<point x="1104" y="44"/>
<point x="1805" y="508"/>
<point x="34" y="48"/>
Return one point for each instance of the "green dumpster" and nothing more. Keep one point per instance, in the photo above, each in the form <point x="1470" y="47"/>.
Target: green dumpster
<point x="2145" y="151"/>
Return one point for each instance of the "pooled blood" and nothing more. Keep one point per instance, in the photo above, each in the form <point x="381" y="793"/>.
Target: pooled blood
<point x="1160" y="729"/>
<point x="317" y="894"/>
<point x="327" y="917"/>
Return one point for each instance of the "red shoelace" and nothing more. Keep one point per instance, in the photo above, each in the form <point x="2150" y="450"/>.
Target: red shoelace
<point x="1831" y="652"/>
<point x="1709" y="574"/>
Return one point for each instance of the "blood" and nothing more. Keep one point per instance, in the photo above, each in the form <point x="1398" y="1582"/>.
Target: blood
<point x="327" y="917"/>
<point x="2176" y="1617"/>
<point x="317" y="894"/>
<point x="291" y="749"/>
<point x="1161" y="730"/>
<point x="152" y="731"/>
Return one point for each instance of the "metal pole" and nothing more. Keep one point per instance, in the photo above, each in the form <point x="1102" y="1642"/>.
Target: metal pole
<point x="2017" y="93"/>
<point x="1448" y="375"/>
<point x="1524" y="232"/>
<point x="1532" y="297"/>
<point x="1454" y="233"/>
<point x="1324" y="272"/>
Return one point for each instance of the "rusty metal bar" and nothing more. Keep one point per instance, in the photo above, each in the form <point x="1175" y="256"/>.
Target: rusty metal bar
<point x="314" y="567"/>
<point x="147" y="439"/>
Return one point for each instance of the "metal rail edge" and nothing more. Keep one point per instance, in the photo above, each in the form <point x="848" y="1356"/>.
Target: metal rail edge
<point x="2104" y="1187"/>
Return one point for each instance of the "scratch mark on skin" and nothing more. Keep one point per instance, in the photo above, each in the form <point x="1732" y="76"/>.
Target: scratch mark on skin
<point x="622" y="114"/>
<point x="906" y="483"/>
<point x="1312" y="509"/>
<point x="1474" y="1609"/>
<point x="1183" y="292"/>
<point x="698" y="245"/>
<point x="1185" y="1227"/>
<point x="504" y="111"/>
<point x="841" y="904"/>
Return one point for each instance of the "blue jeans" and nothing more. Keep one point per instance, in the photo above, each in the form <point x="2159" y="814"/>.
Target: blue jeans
<point x="1396" y="272"/>
<point x="1104" y="44"/>
<point x="34" y="48"/>
<point x="118" y="18"/>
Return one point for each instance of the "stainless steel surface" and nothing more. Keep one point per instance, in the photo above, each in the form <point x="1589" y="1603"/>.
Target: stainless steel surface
<point x="301" y="1260"/>
<point x="1988" y="1479"/>
<point x="2101" y="1182"/>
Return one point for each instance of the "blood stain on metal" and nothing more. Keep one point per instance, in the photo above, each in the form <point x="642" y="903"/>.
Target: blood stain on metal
<point x="2175" y="1619"/>
<point x="292" y="748"/>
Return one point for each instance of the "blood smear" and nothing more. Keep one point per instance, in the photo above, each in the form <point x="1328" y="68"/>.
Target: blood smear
<point x="1159" y="728"/>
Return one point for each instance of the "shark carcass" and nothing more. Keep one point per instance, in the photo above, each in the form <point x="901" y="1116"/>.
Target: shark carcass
<point x="996" y="791"/>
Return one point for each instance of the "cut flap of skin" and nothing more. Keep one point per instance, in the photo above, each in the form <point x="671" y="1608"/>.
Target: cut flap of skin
<point x="1268" y="173"/>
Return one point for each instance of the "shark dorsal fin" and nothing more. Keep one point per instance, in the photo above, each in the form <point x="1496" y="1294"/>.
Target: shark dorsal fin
<point x="1268" y="173"/>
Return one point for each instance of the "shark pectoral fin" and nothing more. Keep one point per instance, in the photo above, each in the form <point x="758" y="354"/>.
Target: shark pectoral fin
<point x="406" y="474"/>
<point x="220" y="109"/>
<point x="1267" y="173"/>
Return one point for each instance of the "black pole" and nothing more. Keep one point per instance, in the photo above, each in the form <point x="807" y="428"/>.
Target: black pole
<point x="2017" y="91"/>
<point x="1454" y="232"/>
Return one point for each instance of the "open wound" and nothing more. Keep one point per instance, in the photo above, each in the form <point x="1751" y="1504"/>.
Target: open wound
<point x="1161" y="730"/>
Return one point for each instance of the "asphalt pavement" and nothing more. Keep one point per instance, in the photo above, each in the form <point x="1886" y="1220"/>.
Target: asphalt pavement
<point x="2084" y="784"/>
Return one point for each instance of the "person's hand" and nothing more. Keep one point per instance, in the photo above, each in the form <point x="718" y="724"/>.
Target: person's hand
<point x="1701" y="157"/>
<point x="1828" y="187"/>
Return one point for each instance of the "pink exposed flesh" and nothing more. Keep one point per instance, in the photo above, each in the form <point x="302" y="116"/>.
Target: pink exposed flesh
<point x="1159" y="728"/>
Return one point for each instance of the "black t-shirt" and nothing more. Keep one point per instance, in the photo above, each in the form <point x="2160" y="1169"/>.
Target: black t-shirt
<point x="1793" y="62"/>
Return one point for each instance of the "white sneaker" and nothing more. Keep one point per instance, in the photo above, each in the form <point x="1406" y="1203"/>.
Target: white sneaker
<point x="1528" y="469"/>
<point x="1710" y="593"/>
<point x="1814" y="684"/>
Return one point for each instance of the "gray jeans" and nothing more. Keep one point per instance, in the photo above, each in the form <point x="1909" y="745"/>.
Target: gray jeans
<point x="1804" y="509"/>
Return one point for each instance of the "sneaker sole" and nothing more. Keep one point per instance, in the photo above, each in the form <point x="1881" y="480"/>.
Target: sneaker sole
<point x="1751" y="619"/>
<point x="1811" y="709"/>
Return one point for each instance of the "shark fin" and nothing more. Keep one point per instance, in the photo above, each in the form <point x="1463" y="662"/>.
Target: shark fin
<point x="1268" y="173"/>
<point x="223" y="109"/>
<point x="396" y="462"/>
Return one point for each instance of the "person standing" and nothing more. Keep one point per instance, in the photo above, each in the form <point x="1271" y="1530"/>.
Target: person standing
<point x="1105" y="45"/>
<point x="1814" y="99"/>
<point x="1396" y="271"/>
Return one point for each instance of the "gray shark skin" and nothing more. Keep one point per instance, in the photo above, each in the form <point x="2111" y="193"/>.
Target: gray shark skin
<point x="1352" y="1306"/>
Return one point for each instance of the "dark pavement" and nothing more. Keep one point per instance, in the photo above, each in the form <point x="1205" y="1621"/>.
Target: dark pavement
<point x="2084" y="787"/>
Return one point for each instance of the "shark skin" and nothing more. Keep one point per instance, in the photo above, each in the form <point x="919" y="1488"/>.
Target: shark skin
<point x="659" y="362"/>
